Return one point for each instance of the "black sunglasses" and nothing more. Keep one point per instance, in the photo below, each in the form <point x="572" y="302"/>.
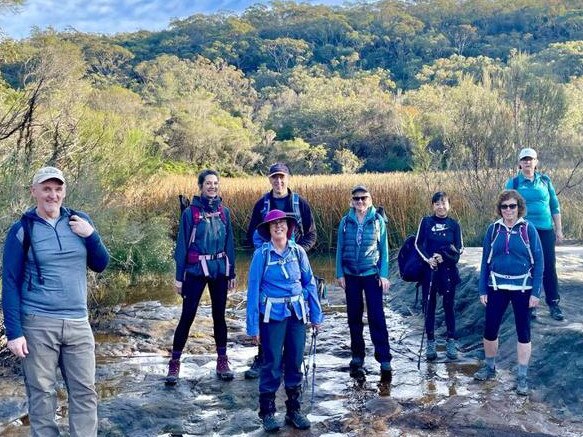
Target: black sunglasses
<point x="508" y="205"/>
<point x="357" y="198"/>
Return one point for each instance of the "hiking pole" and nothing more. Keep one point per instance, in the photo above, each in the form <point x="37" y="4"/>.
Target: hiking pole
<point x="313" y="353"/>
<point x="425" y="319"/>
<point x="307" y="365"/>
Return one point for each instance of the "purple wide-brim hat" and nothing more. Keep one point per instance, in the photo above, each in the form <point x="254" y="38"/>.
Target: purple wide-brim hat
<point x="271" y="216"/>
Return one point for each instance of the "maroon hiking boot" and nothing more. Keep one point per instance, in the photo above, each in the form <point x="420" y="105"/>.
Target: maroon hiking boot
<point x="223" y="371"/>
<point x="173" y="372"/>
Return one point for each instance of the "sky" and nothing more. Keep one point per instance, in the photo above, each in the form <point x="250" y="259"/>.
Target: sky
<point x="114" y="16"/>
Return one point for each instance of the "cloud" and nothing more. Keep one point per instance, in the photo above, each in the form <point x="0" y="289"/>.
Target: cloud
<point x="114" y="16"/>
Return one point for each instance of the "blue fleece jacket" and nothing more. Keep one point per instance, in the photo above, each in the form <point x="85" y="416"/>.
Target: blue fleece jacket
<point x="364" y="251"/>
<point x="510" y="257"/>
<point x="540" y="197"/>
<point x="285" y="275"/>
<point x="63" y="259"/>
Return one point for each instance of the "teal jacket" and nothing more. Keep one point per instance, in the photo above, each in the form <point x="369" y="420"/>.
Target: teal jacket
<point x="540" y="197"/>
<point x="364" y="255"/>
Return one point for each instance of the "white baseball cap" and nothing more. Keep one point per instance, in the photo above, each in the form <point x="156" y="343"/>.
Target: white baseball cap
<point x="46" y="173"/>
<point x="527" y="153"/>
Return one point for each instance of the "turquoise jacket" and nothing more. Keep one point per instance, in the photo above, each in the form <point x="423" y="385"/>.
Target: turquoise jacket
<point x="365" y="254"/>
<point x="540" y="197"/>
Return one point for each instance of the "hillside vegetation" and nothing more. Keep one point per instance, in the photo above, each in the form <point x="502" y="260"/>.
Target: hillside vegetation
<point x="445" y="92"/>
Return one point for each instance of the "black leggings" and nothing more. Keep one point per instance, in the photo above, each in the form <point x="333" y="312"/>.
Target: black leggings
<point x="498" y="301"/>
<point x="430" y="306"/>
<point x="192" y="289"/>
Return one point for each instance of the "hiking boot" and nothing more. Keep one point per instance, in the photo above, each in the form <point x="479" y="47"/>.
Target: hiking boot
<point x="223" y="371"/>
<point x="431" y="350"/>
<point x="485" y="373"/>
<point x="269" y="423"/>
<point x="173" y="372"/>
<point x="253" y="371"/>
<point x="451" y="349"/>
<point x="386" y="373"/>
<point x="356" y="369"/>
<point x="521" y="386"/>
<point x="298" y="420"/>
<point x="556" y="312"/>
<point x="533" y="313"/>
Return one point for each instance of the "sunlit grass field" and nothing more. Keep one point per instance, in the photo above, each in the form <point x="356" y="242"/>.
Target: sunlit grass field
<point x="405" y="197"/>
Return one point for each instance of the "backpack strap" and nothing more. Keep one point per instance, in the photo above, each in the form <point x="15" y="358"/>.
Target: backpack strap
<point x="515" y="183"/>
<point x="296" y="210"/>
<point x="293" y="256"/>
<point x="27" y="225"/>
<point x="195" y="212"/>
<point x="266" y="205"/>
<point x="222" y="214"/>
<point x="525" y="240"/>
<point x="495" y="232"/>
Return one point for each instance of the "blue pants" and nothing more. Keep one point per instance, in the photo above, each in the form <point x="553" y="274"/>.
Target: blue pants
<point x="498" y="301"/>
<point x="283" y="343"/>
<point x="69" y="346"/>
<point x="355" y="285"/>
<point x="550" y="280"/>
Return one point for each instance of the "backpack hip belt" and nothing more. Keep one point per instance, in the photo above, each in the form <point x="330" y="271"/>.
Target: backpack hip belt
<point x="495" y="275"/>
<point x="271" y="300"/>
<point x="194" y="258"/>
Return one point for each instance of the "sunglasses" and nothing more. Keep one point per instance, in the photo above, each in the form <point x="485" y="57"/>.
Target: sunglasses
<point x="361" y="198"/>
<point x="508" y="206"/>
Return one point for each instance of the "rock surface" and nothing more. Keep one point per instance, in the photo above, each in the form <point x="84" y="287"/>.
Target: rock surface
<point x="440" y="399"/>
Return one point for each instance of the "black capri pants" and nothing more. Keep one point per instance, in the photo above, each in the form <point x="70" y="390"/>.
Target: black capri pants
<point x="498" y="301"/>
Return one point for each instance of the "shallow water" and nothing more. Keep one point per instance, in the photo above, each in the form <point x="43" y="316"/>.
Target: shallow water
<point x="438" y="399"/>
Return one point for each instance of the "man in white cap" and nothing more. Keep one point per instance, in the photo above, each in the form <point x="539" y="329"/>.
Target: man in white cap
<point x="44" y="299"/>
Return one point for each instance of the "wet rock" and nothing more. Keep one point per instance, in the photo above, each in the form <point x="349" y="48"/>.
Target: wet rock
<point x="438" y="399"/>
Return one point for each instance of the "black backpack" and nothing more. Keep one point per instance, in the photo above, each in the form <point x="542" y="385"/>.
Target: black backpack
<point x="410" y="262"/>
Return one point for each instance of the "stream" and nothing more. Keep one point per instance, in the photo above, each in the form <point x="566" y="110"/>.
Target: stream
<point x="438" y="399"/>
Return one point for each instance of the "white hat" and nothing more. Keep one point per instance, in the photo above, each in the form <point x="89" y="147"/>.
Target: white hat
<point x="527" y="153"/>
<point x="46" y="173"/>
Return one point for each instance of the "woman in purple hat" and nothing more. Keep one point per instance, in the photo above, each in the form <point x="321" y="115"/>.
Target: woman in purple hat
<point x="281" y="299"/>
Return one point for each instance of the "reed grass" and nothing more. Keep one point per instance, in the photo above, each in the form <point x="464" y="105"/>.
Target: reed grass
<point x="405" y="197"/>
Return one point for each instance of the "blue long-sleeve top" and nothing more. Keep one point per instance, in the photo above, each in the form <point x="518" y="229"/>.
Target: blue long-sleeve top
<point x="63" y="258"/>
<point x="362" y="248"/>
<point x="510" y="257"/>
<point x="212" y="236"/>
<point x="541" y="199"/>
<point x="268" y="279"/>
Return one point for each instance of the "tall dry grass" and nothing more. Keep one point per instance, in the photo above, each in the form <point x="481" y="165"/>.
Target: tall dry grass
<point x="405" y="197"/>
